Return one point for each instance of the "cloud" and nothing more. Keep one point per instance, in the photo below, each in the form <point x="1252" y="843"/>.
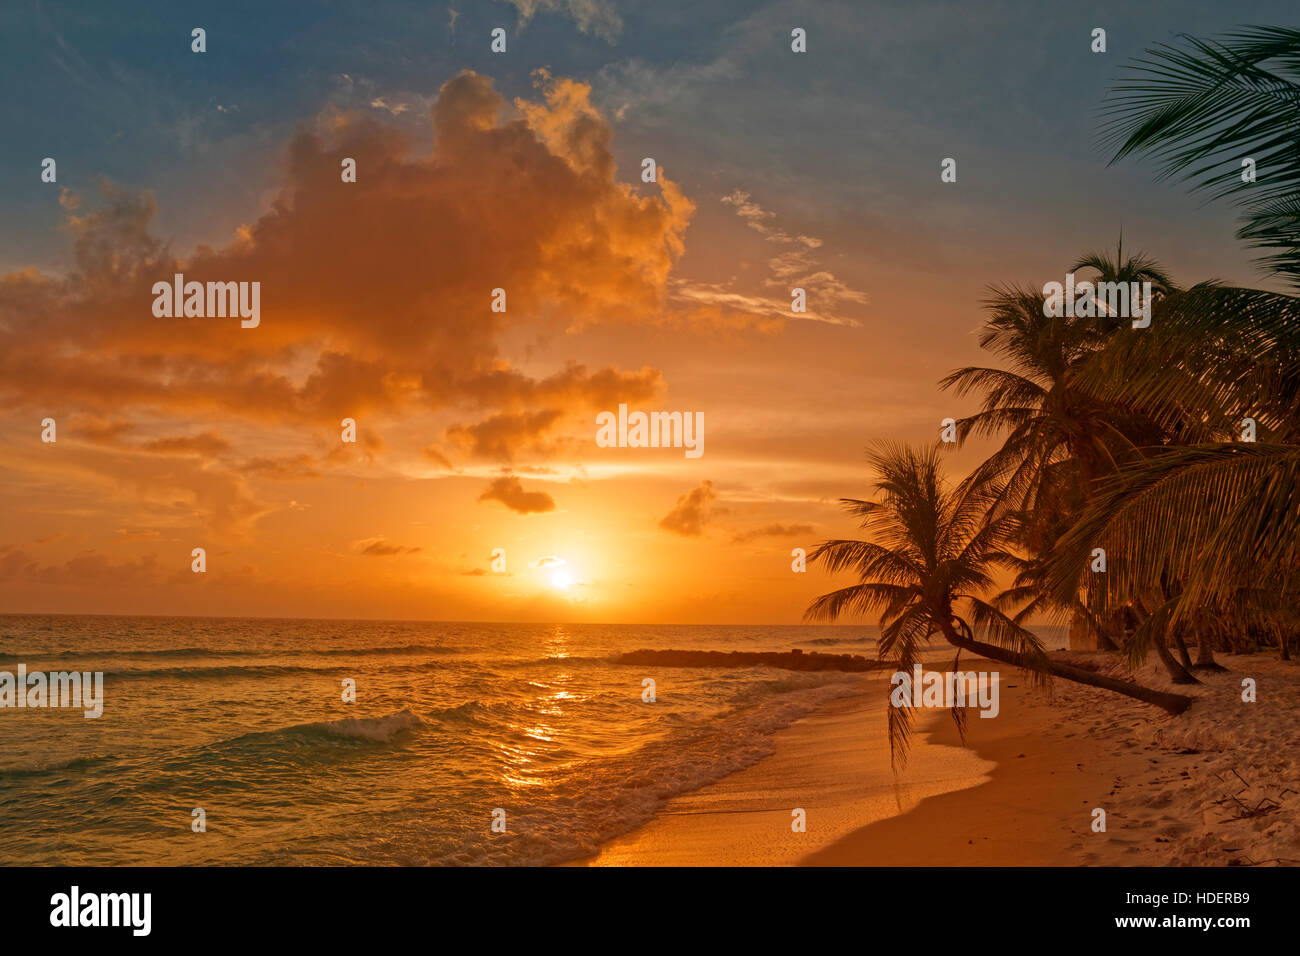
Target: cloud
<point x="519" y="195"/>
<point x="772" y="531"/>
<point x="285" y="468"/>
<point x="496" y="437"/>
<point x="208" y="444"/>
<point x="378" y="547"/>
<point x="99" y="430"/>
<point x="592" y="16"/>
<point x="793" y="265"/>
<point x="692" y="511"/>
<point x="508" y="490"/>
<point x="394" y="109"/>
<point x="435" y="455"/>
<point x="83" y="570"/>
<point x="757" y="218"/>
<point x="523" y="199"/>
<point x="136" y="534"/>
<point x="796" y="266"/>
<point x="720" y="305"/>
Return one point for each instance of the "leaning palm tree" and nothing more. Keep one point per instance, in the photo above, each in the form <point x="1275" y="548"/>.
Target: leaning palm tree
<point x="934" y="554"/>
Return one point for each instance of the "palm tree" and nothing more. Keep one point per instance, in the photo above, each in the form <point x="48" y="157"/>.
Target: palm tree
<point x="1205" y="517"/>
<point x="1058" y="439"/>
<point x="1137" y="268"/>
<point x="1220" y="516"/>
<point x="1204" y="108"/>
<point x="1046" y="420"/>
<point x="934" y="552"/>
<point x="1140" y="269"/>
<point x="1217" y="517"/>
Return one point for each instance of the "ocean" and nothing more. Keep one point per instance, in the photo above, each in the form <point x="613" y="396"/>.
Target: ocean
<point x="245" y="720"/>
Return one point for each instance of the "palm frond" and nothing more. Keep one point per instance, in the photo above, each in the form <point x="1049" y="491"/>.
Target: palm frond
<point x="1202" y="107"/>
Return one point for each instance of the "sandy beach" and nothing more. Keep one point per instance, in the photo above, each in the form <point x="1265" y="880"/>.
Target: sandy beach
<point x="1218" y="785"/>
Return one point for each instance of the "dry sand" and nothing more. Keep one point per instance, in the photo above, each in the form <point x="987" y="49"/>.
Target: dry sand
<point x="1024" y="790"/>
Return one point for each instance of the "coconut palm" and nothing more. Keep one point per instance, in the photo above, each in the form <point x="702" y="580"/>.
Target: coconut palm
<point x="1139" y="268"/>
<point x="933" y="555"/>
<point x="1221" y="517"/>
<point x="1225" y="115"/>
<point x="1136" y="268"/>
<point x="1058" y="439"/>
<point x="1193" y="525"/>
<point x="1046" y="419"/>
<point x="1218" y="364"/>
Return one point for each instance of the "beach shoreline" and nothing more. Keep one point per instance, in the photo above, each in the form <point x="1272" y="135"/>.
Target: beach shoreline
<point x="1024" y="791"/>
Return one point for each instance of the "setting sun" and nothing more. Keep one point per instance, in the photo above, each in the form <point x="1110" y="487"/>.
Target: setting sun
<point x="561" y="580"/>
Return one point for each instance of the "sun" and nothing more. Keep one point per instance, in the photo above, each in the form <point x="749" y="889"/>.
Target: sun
<point x="561" y="579"/>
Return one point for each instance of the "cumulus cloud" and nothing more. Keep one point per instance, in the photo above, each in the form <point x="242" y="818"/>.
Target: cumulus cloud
<point x="510" y="492"/>
<point x="529" y="204"/>
<point x="692" y="512"/>
<point x="518" y="195"/>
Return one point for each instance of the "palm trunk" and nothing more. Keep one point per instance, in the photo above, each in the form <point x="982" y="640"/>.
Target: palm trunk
<point x="1177" y="673"/>
<point x="1184" y="657"/>
<point x="1205" y="650"/>
<point x="1105" y="627"/>
<point x="1173" y="703"/>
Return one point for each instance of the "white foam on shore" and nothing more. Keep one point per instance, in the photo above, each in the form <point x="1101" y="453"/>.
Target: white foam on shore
<point x="833" y="764"/>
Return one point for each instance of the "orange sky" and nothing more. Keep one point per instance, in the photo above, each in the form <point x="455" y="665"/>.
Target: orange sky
<point x="476" y="428"/>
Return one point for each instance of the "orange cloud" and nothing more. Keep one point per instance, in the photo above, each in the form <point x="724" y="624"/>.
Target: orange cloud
<point x="510" y="492"/>
<point x="375" y="295"/>
<point x="692" y="512"/>
<point x="378" y="547"/>
<point x="205" y="443"/>
<point x="495" y="437"/>
<point x="774" y="530"/>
